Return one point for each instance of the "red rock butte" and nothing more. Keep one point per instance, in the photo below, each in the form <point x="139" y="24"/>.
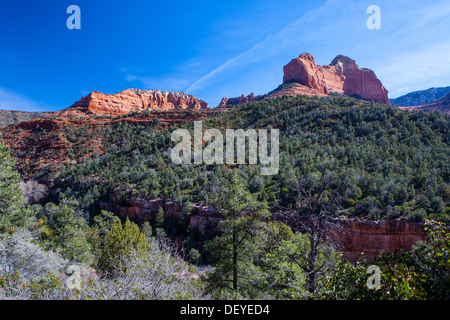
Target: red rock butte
<point x="132" y="100"/>
<point x="343" y="76"/>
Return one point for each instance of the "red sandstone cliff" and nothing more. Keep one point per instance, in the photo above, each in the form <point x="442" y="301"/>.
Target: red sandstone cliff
<point x="239" y="100"/>
<point x="373" y="237"/>
<point x="133" y="100"/>
<point x="343" y="75"/>
<point x="51" y="149"/>
<point x="354" y="238"/>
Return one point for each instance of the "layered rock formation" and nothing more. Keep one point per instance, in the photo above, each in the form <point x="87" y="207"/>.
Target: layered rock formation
<point x="140" y="210"/>
<point x="89" y="115"/>
<point x="369" y="238"/>
<point x="239" y="100"/>
<point x="303" y="76"/>
<point x="343" y="76"/>
<point x="354" y="238"/>
<point x="132" y="100"/>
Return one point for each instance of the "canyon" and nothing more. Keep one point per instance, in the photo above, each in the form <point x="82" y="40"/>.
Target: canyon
<point x="45" y="143"/>
<point x="355" y="239"/>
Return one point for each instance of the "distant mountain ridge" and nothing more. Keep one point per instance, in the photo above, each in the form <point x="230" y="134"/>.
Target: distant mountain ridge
<point x="421" y="97"/>
<point x="9" y="117"/>
<point x="441" y="105"/>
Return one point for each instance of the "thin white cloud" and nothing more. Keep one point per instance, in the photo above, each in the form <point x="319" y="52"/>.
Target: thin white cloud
<point x="417" y="70"/>
<point x="177" y="79"/>
<point x="167" y="83"/>
<point x="408" y="53"/>
<point x="269" y="46"/>
<point x="415" y="55"/>
<point x="10" y="100"/>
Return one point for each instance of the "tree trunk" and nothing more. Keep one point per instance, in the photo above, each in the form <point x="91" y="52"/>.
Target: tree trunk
<point x="235" y="268"/>
<point x="312" y="265"/>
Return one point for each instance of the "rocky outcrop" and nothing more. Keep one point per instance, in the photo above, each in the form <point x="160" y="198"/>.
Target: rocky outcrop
<point x="343" y="76"/>
<point x="353" y="238"/>
<point x="132" y="100"/>
<point x="293" y="89"/>
<point x="369" y="238"/>
<point x="303" y="76"/>
<point x="89" y="115"/>
<point x="140" y="210"/>
<point x="239" y="100"/>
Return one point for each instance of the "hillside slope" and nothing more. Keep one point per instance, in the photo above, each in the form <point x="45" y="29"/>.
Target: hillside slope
<point x="422" y="97"/>
<point x="9" y="117"/>
<point x="392" y="164"/>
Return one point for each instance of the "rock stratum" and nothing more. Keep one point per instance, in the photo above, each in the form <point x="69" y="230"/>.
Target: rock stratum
<point x="303" y="76"/>
<point x="133" y="100"/>
<point x="354" y="239"/>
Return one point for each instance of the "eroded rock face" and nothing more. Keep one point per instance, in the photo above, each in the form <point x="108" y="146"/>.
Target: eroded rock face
<point x="239" y="100"/>
<point x="368" y="238"/>
<point x="353" y="238"/>
<point x="131" y="100"/>
<point x="303" y="76"/>
<point x="343" y="76"/>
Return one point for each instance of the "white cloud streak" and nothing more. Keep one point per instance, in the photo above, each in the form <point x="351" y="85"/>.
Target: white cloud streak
<point x="270" y="45"/>
<point x="410" y="52"/>
<point x="10" y="100"/>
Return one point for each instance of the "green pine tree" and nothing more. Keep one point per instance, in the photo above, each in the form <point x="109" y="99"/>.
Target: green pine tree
<point x="121" y="240"/>
<point x="12" y="213"/>
<point x="237" y="246"/>
<point x="68" y="232"/>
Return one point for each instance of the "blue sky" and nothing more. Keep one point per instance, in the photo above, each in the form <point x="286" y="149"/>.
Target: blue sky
<point x="209" y="49"/>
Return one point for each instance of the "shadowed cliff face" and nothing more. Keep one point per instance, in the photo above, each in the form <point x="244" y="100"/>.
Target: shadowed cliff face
<point x="368" y="238"/>
<point x="354" y="239"/>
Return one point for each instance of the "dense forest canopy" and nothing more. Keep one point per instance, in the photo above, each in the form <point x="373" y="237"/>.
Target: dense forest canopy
<point x="392" y="163"/>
